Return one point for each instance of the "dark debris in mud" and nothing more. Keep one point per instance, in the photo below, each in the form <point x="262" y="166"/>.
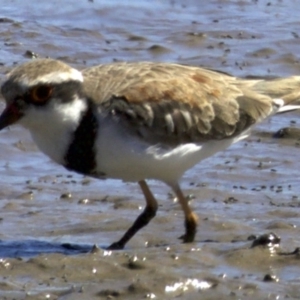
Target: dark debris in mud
<point x="266" y="240"/>
<point x="288" y="133"/>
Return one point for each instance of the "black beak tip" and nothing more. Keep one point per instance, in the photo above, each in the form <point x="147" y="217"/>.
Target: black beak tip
<point x="3" y="122"/>
<point x="9" y="116"/>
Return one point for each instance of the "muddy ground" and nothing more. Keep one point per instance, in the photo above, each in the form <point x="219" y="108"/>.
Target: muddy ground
<point x="50" y="218"/>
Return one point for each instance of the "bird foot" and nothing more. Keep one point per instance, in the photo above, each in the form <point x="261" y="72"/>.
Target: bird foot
<point x="187" y="238"/>
<point x="115" y="246"/>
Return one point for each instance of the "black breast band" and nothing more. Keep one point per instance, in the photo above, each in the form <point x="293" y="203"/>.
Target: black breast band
<point x="81" y="156"/>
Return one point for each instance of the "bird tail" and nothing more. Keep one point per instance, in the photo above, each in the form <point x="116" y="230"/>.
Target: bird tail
<point x="287" y="89"/>
<point x="284" y="91"/>
<point x="291" y="101"/>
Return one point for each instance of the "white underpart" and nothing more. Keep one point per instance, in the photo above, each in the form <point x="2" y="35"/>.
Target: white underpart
<point x="125" y="156"/>
<point x="288" y="108"/>
<point x="279" y="106"/>
<point x="54" y="77"/>
<point x="52" y="127"/>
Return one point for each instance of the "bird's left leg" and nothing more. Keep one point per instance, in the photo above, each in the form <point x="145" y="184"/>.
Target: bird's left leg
<point x="143" y="219"/>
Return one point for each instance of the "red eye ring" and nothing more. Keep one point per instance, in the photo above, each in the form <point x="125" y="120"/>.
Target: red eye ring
<point x="41" y="93"/>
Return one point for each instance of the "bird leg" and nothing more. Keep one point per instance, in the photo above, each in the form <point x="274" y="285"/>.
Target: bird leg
<point x="191" y="219"/>
<point x="142" y="220"/>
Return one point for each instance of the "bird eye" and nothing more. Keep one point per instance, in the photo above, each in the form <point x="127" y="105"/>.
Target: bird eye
<point x="40" y="94"/>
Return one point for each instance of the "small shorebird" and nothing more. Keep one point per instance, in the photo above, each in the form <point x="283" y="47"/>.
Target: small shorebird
<point x="138" y="121"/>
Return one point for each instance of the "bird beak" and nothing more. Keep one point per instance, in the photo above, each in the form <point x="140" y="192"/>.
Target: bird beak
<point x="10" y="115"/>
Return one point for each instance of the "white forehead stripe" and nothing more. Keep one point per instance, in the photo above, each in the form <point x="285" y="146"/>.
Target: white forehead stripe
<point x="54" y="77"/>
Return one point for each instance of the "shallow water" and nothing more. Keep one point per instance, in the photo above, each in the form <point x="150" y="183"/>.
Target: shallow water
<point x="50" y="218"/>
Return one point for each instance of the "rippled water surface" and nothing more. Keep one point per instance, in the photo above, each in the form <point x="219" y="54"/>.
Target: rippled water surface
<point x="50" y="218"/>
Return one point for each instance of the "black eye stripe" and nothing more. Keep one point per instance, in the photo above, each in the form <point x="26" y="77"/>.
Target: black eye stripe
<point x="64" y="92"/>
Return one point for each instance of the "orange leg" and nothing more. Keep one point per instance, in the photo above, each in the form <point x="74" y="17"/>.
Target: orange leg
<point x="191" y="219"/>
<point x="143" y="219"/>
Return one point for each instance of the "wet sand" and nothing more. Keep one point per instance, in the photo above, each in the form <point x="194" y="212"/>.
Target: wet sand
<point x="50" y="219"/>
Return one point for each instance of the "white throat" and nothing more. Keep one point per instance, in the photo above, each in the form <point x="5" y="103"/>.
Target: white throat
<point x="52" y="127"/>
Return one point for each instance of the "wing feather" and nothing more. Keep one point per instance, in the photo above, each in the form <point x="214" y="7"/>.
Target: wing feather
<point x="175" y="103"/>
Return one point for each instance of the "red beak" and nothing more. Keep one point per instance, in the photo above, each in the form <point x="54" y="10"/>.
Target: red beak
<point x="9" y="116"/>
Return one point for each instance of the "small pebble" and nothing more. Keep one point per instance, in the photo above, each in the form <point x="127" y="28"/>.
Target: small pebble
<point x="270" y="278"/>
<point x="66" y="196"/>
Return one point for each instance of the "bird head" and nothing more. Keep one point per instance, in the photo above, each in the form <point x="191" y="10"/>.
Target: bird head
<point x="37" y="88"/>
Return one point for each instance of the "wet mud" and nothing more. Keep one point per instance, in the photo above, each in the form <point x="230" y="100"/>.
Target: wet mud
<point x="55" y="225"/>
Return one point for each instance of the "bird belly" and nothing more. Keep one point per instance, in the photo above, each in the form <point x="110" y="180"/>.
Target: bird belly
<point x="125" y="156"/>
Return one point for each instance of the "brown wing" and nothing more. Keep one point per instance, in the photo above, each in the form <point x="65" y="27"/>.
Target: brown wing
<point x="175" y="103"/>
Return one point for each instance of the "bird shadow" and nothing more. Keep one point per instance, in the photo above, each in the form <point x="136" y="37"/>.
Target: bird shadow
<point x="31" y="248"/>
